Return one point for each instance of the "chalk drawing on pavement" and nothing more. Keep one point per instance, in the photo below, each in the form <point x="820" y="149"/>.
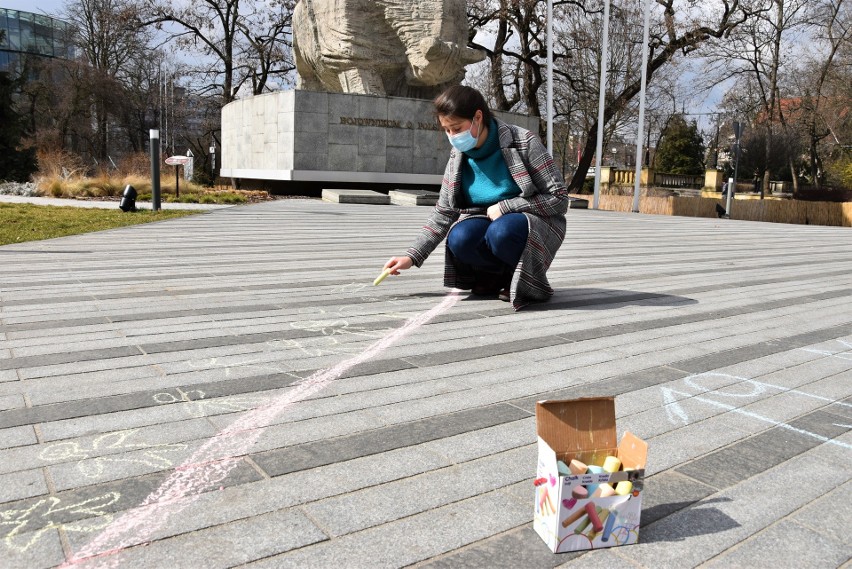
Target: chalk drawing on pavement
<point x="25" y="526"/>
<point x="845" y="354"/>
<point x="197" y="405"/>
<point x="91" y="466"/>
<point x="713" y="388"/>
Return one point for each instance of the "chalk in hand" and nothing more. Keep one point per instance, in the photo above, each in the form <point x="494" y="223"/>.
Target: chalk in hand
<point x="381" y="277"/>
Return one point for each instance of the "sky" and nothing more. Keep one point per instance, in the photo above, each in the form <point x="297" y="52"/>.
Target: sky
<point x="36" y="6"/>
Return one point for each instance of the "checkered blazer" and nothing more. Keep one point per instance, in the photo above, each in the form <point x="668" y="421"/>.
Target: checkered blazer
<point x="544" y="200"/>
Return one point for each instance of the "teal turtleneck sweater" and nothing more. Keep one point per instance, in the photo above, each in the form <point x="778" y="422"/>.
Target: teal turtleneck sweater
<point x="485" y="177"/>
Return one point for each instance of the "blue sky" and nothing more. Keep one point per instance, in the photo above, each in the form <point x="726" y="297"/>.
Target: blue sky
<point x="36" y="6"/>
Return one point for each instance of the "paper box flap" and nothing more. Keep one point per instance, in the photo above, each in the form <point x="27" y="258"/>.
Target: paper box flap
<point x="578" y="424"/>
<point x="633" y="451"/>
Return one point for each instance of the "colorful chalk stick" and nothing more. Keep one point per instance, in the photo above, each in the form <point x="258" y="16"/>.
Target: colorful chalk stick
<point x="594" y="469"/>
<point x="624" y="488"/>
<point x="604" y="491"/>
<point x="579" y="513"/>
<point x="579" y="492"/>
<point x="381" y="277"/>
<point x="592" y="510"/>
<point x="604" y="513"/>
<point x="610" y="523"/>
<point x="562" y="468"/>
<point x="577" y="467"/>
<point x="584" y="523"/>
<point x="612" y="464"/>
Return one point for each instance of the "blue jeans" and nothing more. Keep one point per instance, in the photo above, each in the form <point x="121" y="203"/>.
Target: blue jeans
<point x="491" y="246"/>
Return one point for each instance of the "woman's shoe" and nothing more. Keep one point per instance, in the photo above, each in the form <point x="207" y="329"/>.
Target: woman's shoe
<point x="504" y="295"/>
<point x="487" y="284"/>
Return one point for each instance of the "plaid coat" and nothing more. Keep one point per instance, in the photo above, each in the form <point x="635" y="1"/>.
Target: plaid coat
<point x="543" y="200"/>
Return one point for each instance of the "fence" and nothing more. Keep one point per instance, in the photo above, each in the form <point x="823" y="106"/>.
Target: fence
<point x="774" y="211"/>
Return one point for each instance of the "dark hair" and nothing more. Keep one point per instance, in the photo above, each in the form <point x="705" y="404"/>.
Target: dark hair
<point x="463" y="102"/>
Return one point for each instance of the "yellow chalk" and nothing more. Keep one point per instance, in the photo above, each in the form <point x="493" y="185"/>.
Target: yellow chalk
<point x="612" y="464"/>
<point x="381" y="277"/>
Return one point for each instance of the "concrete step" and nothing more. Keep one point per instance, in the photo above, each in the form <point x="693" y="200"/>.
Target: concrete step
<point x="413" y="197"/>
<point x="355" y="196"/>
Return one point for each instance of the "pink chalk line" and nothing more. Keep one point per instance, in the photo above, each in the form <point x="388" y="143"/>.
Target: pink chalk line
<point x="214" y="460"/>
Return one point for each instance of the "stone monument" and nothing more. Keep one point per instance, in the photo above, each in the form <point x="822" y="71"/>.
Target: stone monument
<point x="361" y="112"/>
<point x="403" y="48"/>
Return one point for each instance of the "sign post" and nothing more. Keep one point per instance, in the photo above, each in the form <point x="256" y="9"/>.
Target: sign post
<point x="189" y="167"/>
<point x="178" y="161"/>
<point x="213" y="162"/>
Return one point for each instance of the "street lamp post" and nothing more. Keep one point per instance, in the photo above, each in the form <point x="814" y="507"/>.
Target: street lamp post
<point x="601" y="105"/>
<point x="155" y="170"/>
<point x="732" y="185"/>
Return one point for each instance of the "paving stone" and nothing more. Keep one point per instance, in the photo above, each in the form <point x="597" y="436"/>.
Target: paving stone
<point x="16" y="437"/>
<point x="11" y="401"/>
<point x="60" y="358"/>
<point x="722" y="520"/>
<point x="786" y="544"/>
<point x="355" y="196"/>
<point x="668" y="492"/>
<point x="520" y="547"/>
<point x="23" y="484"/>
<point x="834" y="506"/>
<point x="602" y="558"/>
<point x="228" y="545"/>
<point x="30" y="551"/>
<point x="381" y="504"/>
<point x="278" y="462"/>
<point x="256" y="274"/>
<point x="414" y="538"/>
<point x="158" y="443"/>
<point x="8" y="375"/>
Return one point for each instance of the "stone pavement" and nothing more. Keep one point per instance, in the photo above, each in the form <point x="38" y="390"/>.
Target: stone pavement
<point x="230" y="389"/>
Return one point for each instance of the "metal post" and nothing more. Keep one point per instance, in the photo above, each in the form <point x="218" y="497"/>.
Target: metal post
<point x="644" y="84"/>
<point x="601" y="101"/>
<point x="732" y="187"/>
<point x="550" y="77"/>
<point x="177" y="181"/>
<point x="213" y="163"/>
<point x="155" y="170"/>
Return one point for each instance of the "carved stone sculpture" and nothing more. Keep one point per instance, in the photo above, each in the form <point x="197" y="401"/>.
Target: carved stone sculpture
<point x="405" y="48"/>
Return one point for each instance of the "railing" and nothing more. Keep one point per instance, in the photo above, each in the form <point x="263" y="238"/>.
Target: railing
<point x="678" y="180"/>
<point x="624" y="177"/>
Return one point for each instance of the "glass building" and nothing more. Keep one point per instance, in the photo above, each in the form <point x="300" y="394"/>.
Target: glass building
<point x="25" y="33"/>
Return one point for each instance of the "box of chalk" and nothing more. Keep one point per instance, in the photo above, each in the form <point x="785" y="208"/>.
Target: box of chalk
<point x="589" y="485"/>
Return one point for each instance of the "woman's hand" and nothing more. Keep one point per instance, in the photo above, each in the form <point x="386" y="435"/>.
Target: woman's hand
<point x="397" y="264"/>
<point x="494" y="212"/>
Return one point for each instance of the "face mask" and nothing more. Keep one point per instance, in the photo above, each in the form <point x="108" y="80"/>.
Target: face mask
<point x="463" y="141"/>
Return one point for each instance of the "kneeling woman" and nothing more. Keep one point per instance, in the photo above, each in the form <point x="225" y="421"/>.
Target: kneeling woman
<point x="502" y="206"/>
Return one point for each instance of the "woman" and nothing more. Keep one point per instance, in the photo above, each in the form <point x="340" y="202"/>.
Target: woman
<point x="502" y="206"/>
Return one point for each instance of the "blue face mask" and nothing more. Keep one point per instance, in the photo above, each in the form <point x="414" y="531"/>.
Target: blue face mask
<point x="463" y="141"/>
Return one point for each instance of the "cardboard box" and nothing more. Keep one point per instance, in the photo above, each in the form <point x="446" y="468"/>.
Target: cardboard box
<point x="584" y="430"/>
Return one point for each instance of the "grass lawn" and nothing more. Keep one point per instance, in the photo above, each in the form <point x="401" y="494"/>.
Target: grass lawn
<point x="28" y="222"/>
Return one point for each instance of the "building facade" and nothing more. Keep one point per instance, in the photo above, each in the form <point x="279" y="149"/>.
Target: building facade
<point x="27" y="34"/>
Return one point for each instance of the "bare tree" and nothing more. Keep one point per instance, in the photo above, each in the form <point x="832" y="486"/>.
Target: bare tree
<point x="759" y="53"/>
<point x="819" y="113"/>
<point x="517" y="54"/>
<point x="112" y="44"/>
<point x="233" y="41"/>
<point x="681" y="31"/>
<point x="268" y="51"/>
